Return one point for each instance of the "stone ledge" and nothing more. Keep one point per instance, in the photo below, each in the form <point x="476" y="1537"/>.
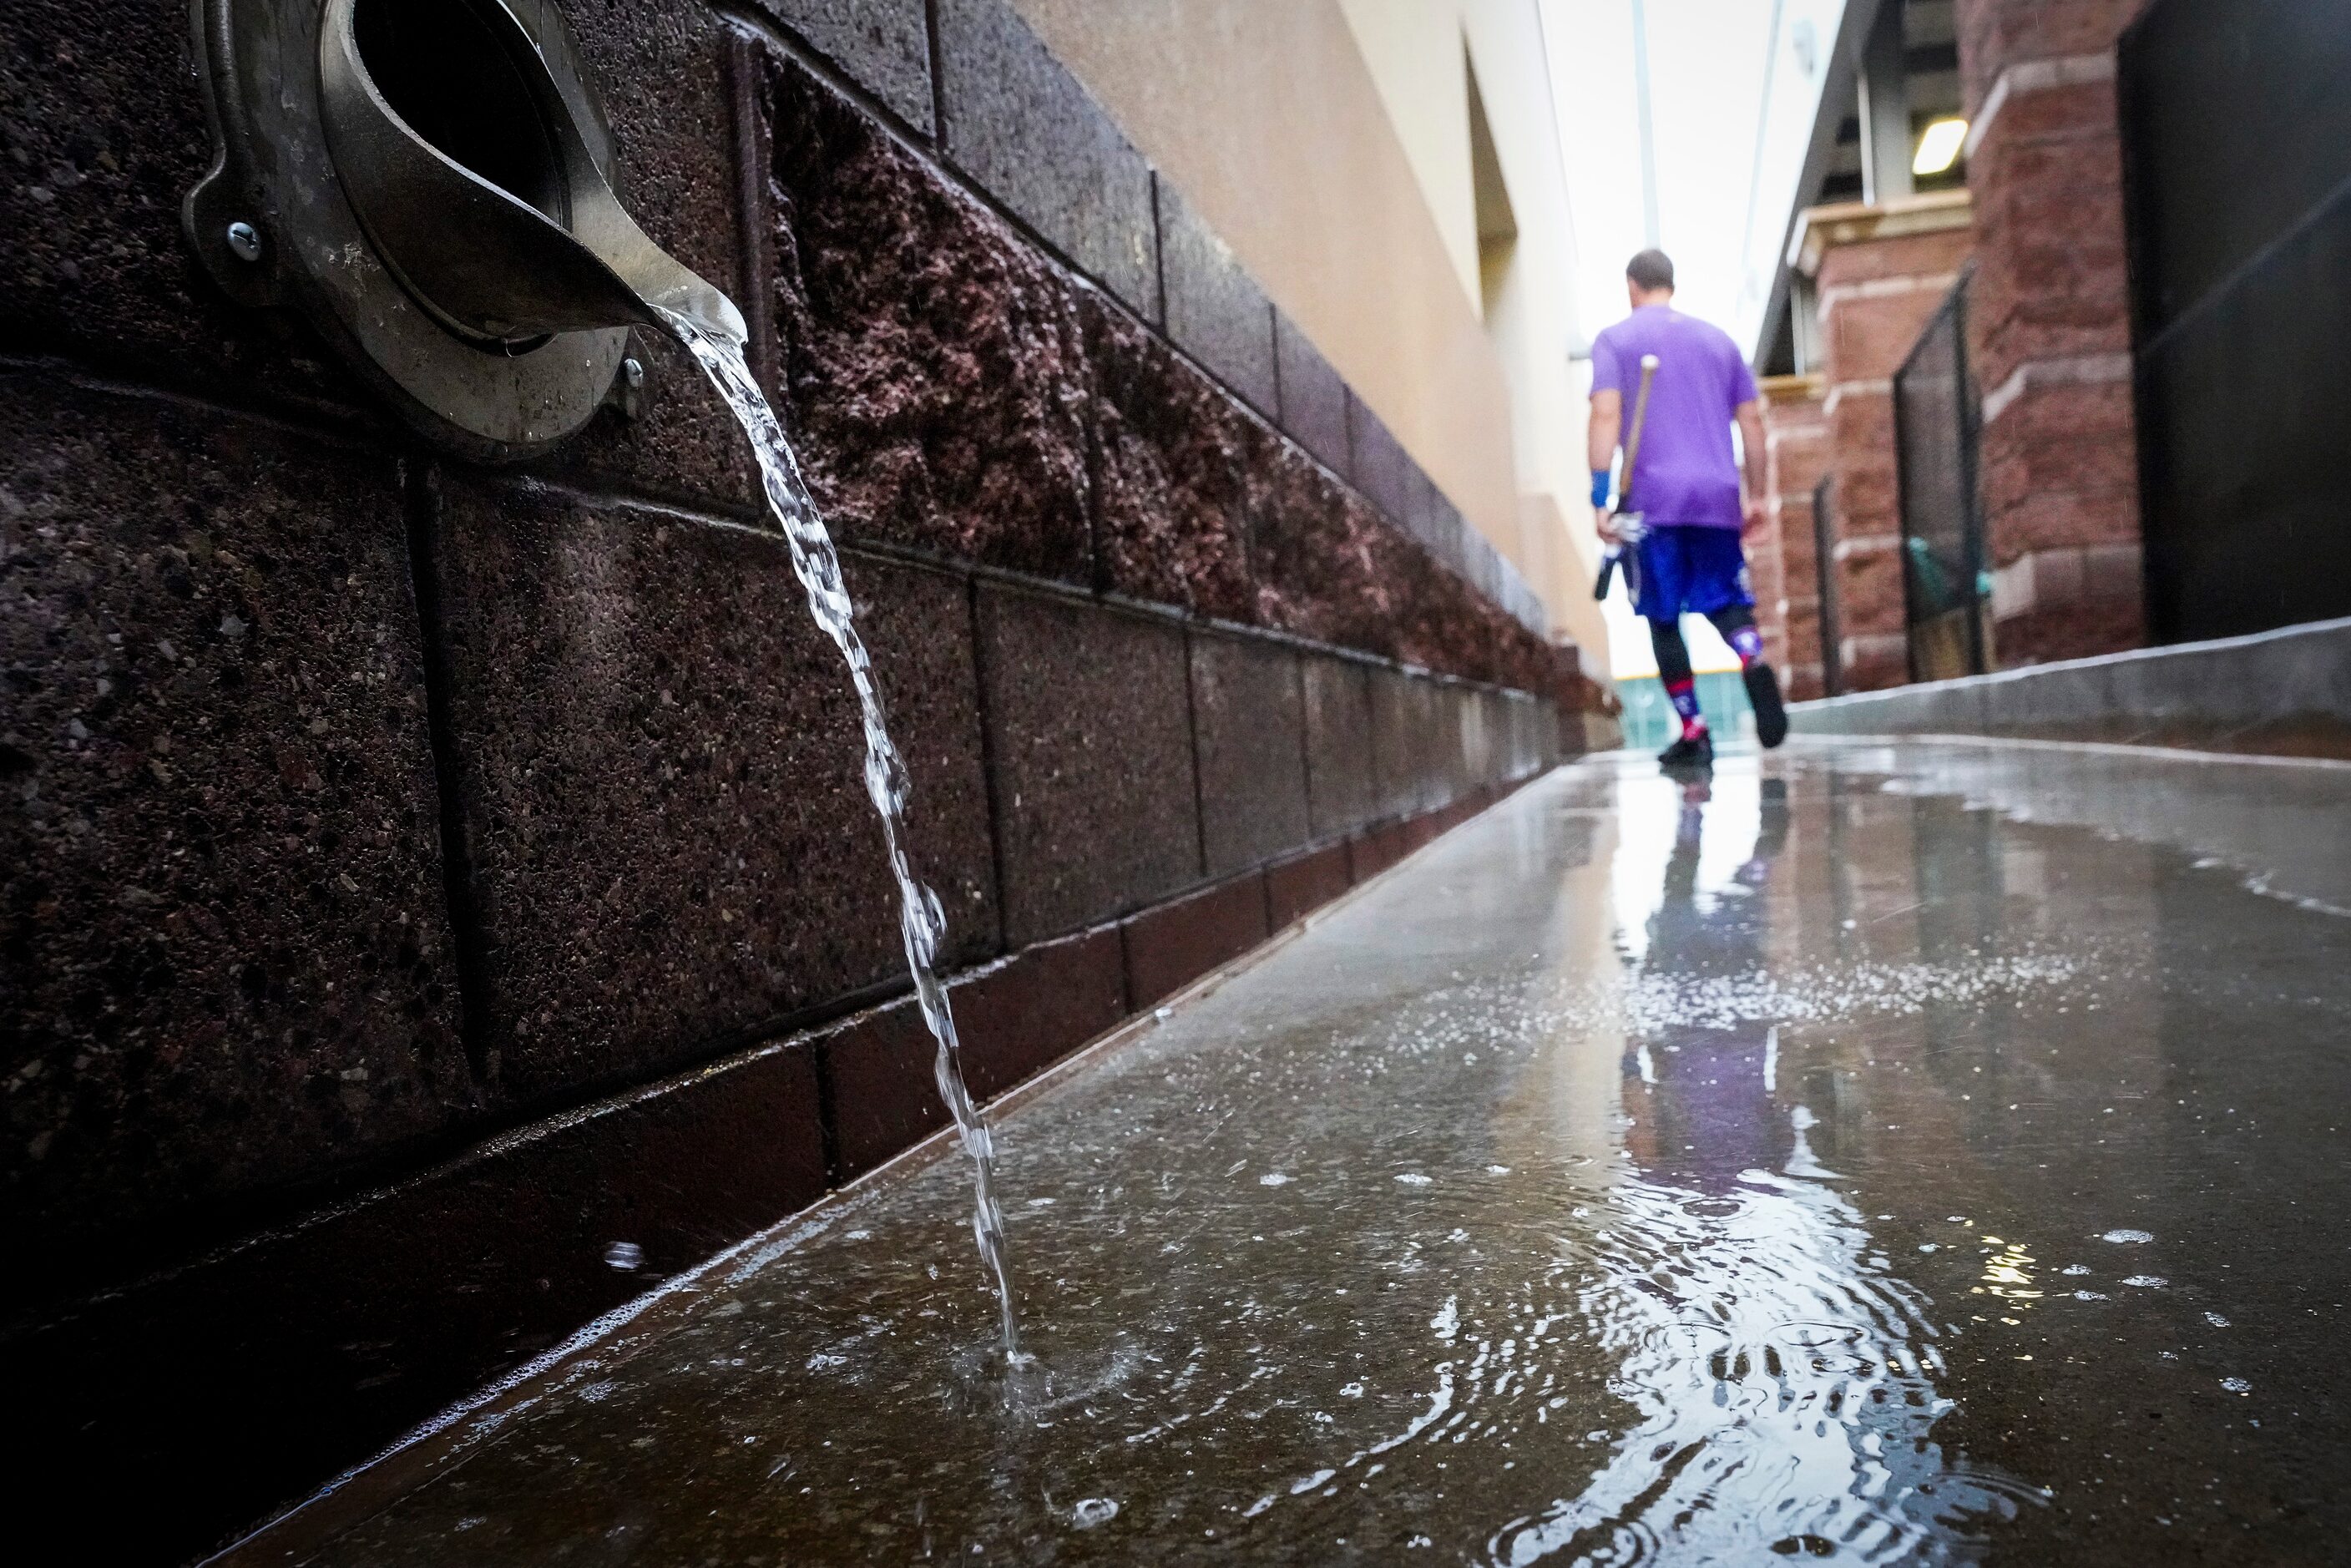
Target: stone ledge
<point x="2026" y="77"/>
<point x="1820" y="229"/>
<point x="2059" y="579"/>
<point x="2287" y="691"/>
<point x="2033" y="375"/>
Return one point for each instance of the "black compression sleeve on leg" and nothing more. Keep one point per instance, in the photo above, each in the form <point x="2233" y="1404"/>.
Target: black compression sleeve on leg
<point x="1730" y="617"/>
<point x="1672" y="654"/>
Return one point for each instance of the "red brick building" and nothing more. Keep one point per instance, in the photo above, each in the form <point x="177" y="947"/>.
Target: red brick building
<point x="2029" y="223"/>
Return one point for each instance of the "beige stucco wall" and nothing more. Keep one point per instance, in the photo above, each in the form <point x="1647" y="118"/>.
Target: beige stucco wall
<point x="1328" y="141"/>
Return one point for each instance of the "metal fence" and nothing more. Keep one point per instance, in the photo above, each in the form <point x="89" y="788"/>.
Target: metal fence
<point x="2236" y="135"/>
<point x="1946" y="587"/>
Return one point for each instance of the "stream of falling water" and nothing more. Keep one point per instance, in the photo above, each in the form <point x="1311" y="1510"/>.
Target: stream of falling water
<point x="921" y="921"/>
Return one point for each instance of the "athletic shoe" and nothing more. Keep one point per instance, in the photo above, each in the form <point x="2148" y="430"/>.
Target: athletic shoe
<point x="1690" y="751"/>
<point x="1771" y="713"/>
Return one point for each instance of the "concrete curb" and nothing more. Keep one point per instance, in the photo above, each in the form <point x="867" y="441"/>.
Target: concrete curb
<point x="2286" y="690"/>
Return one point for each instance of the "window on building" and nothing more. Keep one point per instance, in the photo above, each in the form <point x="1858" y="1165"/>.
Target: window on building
<point x="1497" y="226"/>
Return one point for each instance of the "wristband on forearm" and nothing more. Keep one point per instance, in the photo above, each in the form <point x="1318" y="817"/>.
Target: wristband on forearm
<point x="1600" y="490"/>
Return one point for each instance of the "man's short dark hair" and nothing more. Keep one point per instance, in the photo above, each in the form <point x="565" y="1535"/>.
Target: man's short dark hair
<point x="1652" y="270"/>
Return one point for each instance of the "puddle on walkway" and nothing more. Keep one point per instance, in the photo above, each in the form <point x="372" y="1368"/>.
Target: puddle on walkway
<point x="1817" y="1167"/>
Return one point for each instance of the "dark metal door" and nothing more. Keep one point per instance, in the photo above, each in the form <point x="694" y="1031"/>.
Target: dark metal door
<point x="1937" y="425"/>
<point x="2236" y="126"/>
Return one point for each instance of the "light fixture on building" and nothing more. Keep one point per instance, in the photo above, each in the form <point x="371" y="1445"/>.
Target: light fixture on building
<point x="1938" y="146"/>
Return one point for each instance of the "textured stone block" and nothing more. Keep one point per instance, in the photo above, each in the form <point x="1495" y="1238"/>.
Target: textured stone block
<point x="1870" y="589"/>
<point x="1421" y="831"/>
<point x="1378" y="462"/>
<point x="1342" y="780"/>
<point x="1215" y="311"/>
<point x="1453" y="541"/>
<point x="1800" y="455"/>
<point x="1519" y="716"/>
<point x="931" y="361"/>
<point x="1249" y="723"/>
<point x="1318" y="549"/>
<point x="1373" y="848"/>
<point x="1173" y="457"/>
<point x="1467" y="747"/>
<point x="1025" y="1013"/>
<point x="1407" y="754"/>
<point x="2076" y="631"/>
<point x="1090" y="748"/>
<point x="1420" y="519"/>
<point x="1330" y="569"/>
<point x="1904" y="256"/>
<point x="1486" y="751"/>
<point x="1513" y="736"/>
<point x="1301" y="884"/>
<point x="1013" y="1020"/>
<point x="667" y="88"/>
<point x="1439" y="622"/>
<point x="1996" y="34"/>
<point x="1561" y="733"/>
<point x="660" y="770"/>
<point x="682" y="445"/>
<point x="1871" y="335"/>
<point x="105" y="131"/>
<point x="1313" y="397"/>
<point x="223" y="936"/>
<point x="237" y="1384"/>
<point x="882" y="45"/>
<point x="1171" y="945"/>
<point x="2051" y="279"/>
<point x="880" y="1095"/>
<point x="1874" y="661"/>
<point x="1028" y="132"/>
<point x="1439" y="725"/>
<point x="2066" y="438"/>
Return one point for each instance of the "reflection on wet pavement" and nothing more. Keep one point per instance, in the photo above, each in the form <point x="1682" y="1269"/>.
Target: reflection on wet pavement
<point x="1820" y="1164"/>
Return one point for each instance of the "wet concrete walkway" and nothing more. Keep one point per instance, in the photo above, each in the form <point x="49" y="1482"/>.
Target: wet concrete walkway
<point x="1893" y="1153"/>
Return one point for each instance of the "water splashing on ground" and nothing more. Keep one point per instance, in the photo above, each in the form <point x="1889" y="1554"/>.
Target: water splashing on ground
<point x="921" y="920"/>
<point x="1804" y="1173"/>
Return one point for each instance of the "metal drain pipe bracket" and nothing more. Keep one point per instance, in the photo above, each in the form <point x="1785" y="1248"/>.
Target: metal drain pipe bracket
<point x="431" y="182"/>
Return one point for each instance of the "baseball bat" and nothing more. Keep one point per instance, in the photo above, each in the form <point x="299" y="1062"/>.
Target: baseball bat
<point x="1632" y="456"/>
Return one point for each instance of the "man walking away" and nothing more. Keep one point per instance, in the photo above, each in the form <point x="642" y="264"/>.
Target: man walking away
<point x="1686" y="490"/>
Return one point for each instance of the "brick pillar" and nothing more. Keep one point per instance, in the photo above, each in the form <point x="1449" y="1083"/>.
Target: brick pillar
<point x="1786" y="566"/>
<point x="1878" y="274"/>
<point x="2049" y="326"/>
<point x="1766" y="578"/>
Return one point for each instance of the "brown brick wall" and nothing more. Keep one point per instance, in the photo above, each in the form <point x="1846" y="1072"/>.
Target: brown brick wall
<point x="1876" y="290"/>
<point x="1796" y="457"/>
<point x="2049" y="326"/>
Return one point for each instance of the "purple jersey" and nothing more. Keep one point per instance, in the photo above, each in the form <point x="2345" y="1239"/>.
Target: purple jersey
<point x="1688" y="472"/>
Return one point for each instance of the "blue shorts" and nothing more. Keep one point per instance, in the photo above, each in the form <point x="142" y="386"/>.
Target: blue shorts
<point x="1688" y="570"/>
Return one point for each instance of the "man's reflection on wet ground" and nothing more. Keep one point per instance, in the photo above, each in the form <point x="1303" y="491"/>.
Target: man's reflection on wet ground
<point x="1783" y="1376"/>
